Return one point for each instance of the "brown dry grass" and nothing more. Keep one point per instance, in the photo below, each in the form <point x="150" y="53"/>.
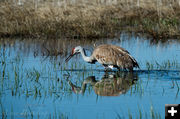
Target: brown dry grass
<point x="91" y="19"/>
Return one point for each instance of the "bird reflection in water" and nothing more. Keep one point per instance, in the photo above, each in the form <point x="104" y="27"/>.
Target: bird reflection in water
<point x="109" y="85"/>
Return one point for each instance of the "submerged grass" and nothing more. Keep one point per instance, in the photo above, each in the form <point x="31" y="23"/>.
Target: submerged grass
<point x="90" y="19"/>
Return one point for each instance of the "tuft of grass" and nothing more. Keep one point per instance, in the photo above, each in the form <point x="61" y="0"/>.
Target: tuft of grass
<point x="89" y="19"/>
<point x="154" y="114"/>
<point x="129" y="114"/>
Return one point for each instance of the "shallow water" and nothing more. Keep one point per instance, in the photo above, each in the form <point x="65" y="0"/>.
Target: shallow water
<point x="36" y="82"/>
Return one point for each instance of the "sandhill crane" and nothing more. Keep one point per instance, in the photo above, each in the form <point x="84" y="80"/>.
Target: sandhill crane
<point x="109" y="56"/>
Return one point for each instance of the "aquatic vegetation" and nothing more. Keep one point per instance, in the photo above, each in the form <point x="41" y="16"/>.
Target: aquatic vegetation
<point x="166" y="65"/>
<point x="141" y="114"/>
<point x="89" y="19"/>
<point x="154" y="114"/>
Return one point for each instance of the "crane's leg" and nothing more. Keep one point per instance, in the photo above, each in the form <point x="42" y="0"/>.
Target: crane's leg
<point x="106" y="69"/>
<point x="130" y="69"/>
<point x="119" y="69"/>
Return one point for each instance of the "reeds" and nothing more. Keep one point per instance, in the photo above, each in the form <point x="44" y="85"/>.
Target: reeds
<point x="90" y="19"/>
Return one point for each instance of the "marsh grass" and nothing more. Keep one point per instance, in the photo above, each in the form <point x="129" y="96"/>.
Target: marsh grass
<point x="33" y="82"/>
<point x="90" y="19"/>
<point x="154" y="114"/>
<point x="165" y="65"/>
<point x="141" y="114"/>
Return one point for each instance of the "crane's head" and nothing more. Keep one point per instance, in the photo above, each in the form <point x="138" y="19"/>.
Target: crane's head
<point x="75" y="51"/>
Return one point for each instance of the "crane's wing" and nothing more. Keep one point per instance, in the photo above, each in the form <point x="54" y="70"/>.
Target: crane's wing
<point x="114" y="55"/>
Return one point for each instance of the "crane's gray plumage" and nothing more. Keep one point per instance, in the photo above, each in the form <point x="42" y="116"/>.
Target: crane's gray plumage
<point x="109" y="56"/>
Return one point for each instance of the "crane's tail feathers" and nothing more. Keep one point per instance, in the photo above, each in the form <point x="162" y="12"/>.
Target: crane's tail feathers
<point x="135" y="64"/>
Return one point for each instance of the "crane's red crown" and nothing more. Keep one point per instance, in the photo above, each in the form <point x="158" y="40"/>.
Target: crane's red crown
<point x="73" y="50"/>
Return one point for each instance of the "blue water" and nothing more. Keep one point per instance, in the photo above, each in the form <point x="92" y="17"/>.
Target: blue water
<point x="35" y="84"/>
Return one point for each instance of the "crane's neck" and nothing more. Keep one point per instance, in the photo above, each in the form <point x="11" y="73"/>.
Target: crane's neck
<point x="86" y="58"/>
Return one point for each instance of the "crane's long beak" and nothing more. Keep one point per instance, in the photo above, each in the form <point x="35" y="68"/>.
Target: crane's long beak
<point x="70" y="56"/>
